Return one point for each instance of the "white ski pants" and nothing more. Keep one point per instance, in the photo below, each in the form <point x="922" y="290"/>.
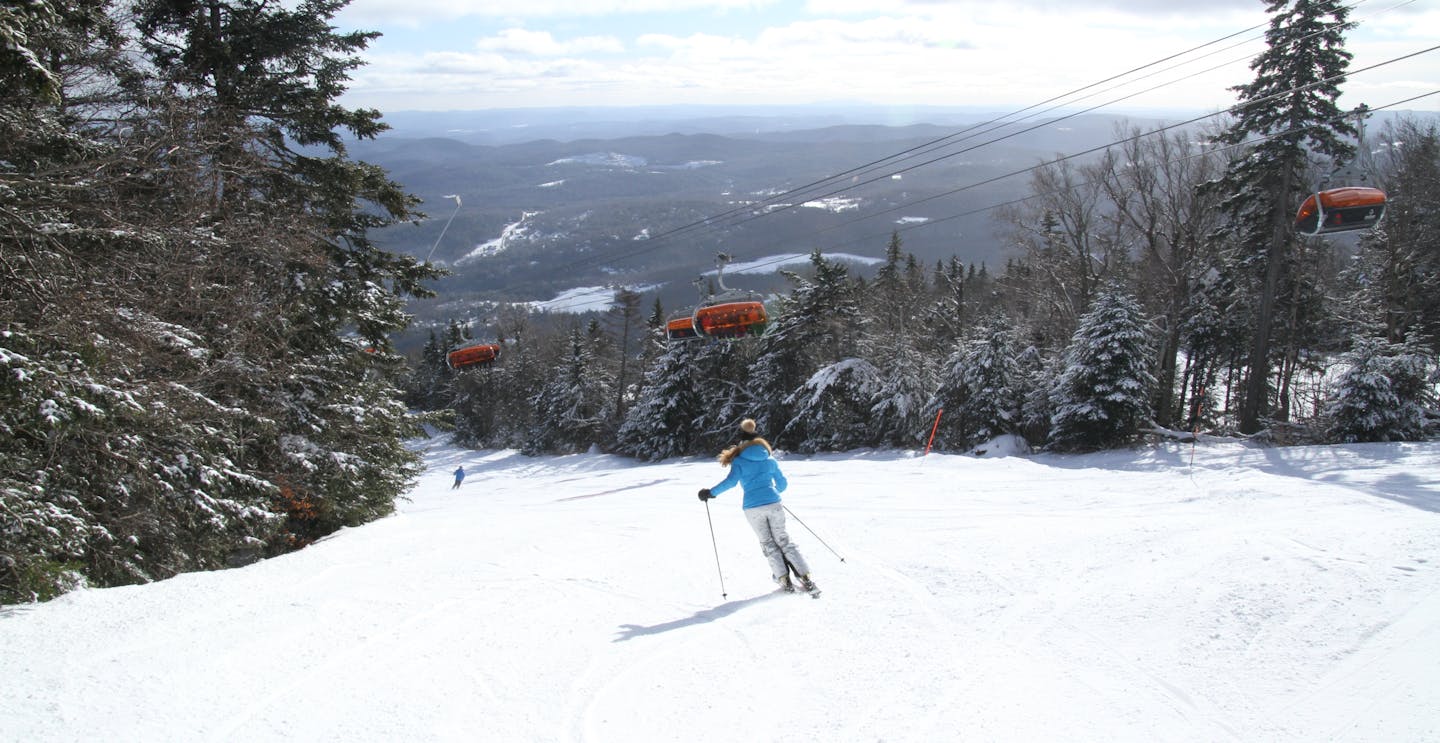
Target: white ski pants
<point x="769" y="524"/>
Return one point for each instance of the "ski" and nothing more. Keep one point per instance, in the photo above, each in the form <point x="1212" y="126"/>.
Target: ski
<point x="804" y="584"/>
<point x="798" y="582"/>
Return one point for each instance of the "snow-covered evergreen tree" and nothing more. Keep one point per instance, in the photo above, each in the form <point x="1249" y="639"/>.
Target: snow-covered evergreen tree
<point x="833" y="408"/>
<point x="626" y="323"/>
<point x="207" y="370"/>
<point x="1037" y="378"/>
<point x="900" y="396"/>
<point x="573" y="407"/>
<point x="1212" y="340"/>
<point x="1396" y="276"/>
<point x="429" y="385"/>
<point x="980" y="390"/>
<point x="1385" y="393"/>
<point x="895" y="325"/>
<point x="475" y="404"/>
<point x="818" y="323"/>
<point x="1291" y="106"/>
<point x="943" y="320"/>
<point x="726" y="399"/>
<point x="263" y="82"/>
<point x="1150" y="178"/>
<point x="1102" y="394"/>
<point x="888" y="293"/>
<point x="663" y="422"/>
<point x="493" y="402"/>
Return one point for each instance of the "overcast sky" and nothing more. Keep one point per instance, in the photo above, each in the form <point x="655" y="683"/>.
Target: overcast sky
<point x="481" y="54"/>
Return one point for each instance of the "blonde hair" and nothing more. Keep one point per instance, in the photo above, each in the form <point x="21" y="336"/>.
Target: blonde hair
<point x="728" y="456"/>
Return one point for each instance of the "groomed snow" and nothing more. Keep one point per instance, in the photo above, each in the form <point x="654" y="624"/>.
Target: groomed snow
<point x="1256" y="595"/>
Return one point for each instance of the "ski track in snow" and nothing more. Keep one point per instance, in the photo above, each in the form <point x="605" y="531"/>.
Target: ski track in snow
<point x="1260" y="594"/>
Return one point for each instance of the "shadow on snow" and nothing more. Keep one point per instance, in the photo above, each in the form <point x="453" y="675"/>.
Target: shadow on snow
<point x="632" y="631"/>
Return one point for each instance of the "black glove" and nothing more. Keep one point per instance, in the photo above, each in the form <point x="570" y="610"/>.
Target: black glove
<point x="705" y="494"/>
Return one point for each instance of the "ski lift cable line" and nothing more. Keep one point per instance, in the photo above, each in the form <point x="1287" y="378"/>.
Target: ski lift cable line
<point x="756" y="210"/>
<point x="972" y="148"/>
<point x="1233" y="109"/>
<point x="1023" y="199"/>
<point x="792" y="192"/>
<point x="981" y="210"/>
<point x="940" y="143"/>
<point x="941" y="220"/>
<point x="1096" y="93"/>
<point x="1091" y="151"/>
<point x="909" y="204"/>
<point x="997" y="123"/>
<point x="1101" y="148"/>
<point x="791" y="195"/>
<point x="441" y="236"/>
<point x="798" y="194"/>
<point x="651" y="244"/>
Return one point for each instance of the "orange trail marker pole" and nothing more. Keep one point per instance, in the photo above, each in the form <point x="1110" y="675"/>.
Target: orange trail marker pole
<point x="933" y="429"/>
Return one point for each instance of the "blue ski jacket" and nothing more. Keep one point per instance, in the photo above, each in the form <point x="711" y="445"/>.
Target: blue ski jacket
<point x="758" y="474"/>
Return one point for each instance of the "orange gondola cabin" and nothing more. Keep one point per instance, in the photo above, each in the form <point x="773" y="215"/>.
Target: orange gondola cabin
<point x="480" y="354"/>
<point x="731" y="319"/>
<point x="681" y="329"/>
<point x="1340" y="210"/>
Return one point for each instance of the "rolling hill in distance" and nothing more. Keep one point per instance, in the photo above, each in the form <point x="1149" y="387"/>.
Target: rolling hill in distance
<point x="555" y="199"/>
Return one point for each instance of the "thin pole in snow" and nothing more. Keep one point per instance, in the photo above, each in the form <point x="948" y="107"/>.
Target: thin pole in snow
<point x="1195" y="428"/>
<point x="933" y="429"/>
<point x="716" y="547"/>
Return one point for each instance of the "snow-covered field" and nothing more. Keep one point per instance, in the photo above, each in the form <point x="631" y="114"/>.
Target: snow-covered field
<point x="1256" y="595"/>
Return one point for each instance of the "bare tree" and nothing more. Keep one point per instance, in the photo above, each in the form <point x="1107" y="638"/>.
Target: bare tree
<point x="1152" y="185"/>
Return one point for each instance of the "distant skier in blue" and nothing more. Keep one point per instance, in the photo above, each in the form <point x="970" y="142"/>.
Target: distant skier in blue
<point x="459" y="476"/>
<point x="759" y="476"/>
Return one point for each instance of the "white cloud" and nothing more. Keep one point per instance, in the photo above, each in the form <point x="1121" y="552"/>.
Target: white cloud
<point x="952" y="7"/>
<point x="543" y="44"/>
<point x="941" y="53"/>
<point x="700" y="46"/>
<point x="413" y="13"/>
<point x="912" y="31"/>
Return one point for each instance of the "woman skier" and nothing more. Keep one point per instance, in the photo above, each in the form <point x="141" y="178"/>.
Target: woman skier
<point x="759" y="476"/>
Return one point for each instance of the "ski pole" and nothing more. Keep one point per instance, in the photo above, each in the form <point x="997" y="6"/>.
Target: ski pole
<point x="716" y="547"/>
<point x="812" y="531"/>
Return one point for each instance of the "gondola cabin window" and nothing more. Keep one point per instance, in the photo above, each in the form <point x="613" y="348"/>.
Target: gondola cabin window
<point x="681" y="329"/>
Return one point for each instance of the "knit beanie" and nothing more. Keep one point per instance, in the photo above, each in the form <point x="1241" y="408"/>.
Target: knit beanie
<point x="747" y="428"/>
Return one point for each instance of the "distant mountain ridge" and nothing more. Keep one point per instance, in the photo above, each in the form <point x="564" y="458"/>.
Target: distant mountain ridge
<point x="624" y="209"/>
<point x="513" y="126"/>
